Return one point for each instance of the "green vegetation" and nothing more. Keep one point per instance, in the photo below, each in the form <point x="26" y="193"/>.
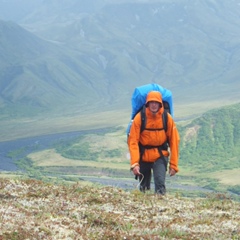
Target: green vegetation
<point x="212" y="142"/>
<point x="77" y="152"/>
<point x="79" y="149"/>
<point x="94" y="147"/>
<point x="210" y="147"/>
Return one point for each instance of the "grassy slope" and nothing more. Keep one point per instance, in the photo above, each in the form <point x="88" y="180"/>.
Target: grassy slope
<point x="35" y="210"/>
<point x="213" y="139"/>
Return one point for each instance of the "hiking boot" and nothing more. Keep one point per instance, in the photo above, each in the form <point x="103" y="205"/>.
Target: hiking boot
<point x="142" y="189"/>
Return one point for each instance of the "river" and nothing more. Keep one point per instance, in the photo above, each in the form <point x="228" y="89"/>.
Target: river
<point x="28" y="145"/>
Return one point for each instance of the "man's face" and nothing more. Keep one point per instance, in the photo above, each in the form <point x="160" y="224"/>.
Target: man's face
<point x="154" y="106"/>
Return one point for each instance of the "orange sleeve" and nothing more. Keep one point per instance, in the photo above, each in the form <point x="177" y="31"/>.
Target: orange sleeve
<point x="174" y="140"/>
<point x="133" y="141"/>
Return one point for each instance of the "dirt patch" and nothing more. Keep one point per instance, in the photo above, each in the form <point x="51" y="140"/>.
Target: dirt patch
<point x="191" y="133"/>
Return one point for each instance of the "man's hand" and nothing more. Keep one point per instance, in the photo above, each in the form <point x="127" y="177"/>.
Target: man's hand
<point x="172" y="172"/>
<point x="136" y="170"/>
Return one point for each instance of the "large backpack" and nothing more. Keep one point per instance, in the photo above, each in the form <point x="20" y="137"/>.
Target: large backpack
<point x="139" y="99"/>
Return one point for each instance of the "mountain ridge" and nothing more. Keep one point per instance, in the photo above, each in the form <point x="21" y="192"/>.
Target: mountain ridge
<point x="94" y="57"/>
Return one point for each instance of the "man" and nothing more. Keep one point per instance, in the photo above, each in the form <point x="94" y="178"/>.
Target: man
<point x="149" y="148"/>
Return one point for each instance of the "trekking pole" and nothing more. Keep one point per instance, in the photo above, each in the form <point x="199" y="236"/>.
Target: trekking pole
<point x="140" y="180"/>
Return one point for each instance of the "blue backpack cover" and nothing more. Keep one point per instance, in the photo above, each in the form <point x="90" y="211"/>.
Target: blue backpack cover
<point x="139" y="99"/>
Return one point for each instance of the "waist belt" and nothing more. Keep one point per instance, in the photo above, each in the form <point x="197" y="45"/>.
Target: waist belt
<point x="142" y="148"/>
<point x="164" y="147"/>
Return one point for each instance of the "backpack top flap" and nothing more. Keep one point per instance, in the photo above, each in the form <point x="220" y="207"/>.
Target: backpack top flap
<point x="140" y="94"/>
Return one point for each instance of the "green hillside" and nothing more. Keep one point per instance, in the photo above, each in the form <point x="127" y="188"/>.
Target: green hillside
<point x="210" y="149"/>
<point x="212" y="142"/>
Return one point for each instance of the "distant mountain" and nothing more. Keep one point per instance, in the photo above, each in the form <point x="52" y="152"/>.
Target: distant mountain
<point x="76" y="54"/>
<point x="40" y="74"/>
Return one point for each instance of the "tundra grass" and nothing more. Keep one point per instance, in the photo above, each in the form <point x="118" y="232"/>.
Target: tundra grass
<point x="33" y="209"/>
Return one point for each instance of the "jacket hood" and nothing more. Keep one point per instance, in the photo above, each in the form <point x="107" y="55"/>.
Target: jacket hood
<point x="154" y="96"/>
<point x="157" y="97"/>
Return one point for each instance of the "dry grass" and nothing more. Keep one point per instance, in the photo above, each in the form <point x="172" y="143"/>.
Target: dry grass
<point x="227" y="177"/>
<point x="78" y="120"/>
<point x="50" y="157"/>
<point x="35" y="210"/>
<point x="36" y="126"/>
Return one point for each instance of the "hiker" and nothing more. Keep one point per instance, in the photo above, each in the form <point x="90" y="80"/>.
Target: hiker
<point x="149" y="148"/>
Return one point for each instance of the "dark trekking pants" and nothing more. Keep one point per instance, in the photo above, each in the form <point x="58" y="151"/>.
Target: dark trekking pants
<point x="159" y="168"/>
<point x="146" y="170"/>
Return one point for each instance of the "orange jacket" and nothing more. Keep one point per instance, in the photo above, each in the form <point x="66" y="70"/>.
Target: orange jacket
<point x="153" y="138"/>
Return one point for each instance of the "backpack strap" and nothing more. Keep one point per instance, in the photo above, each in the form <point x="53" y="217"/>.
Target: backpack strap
<point x="165" y="120"/>
<point x="143" y="120"/>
